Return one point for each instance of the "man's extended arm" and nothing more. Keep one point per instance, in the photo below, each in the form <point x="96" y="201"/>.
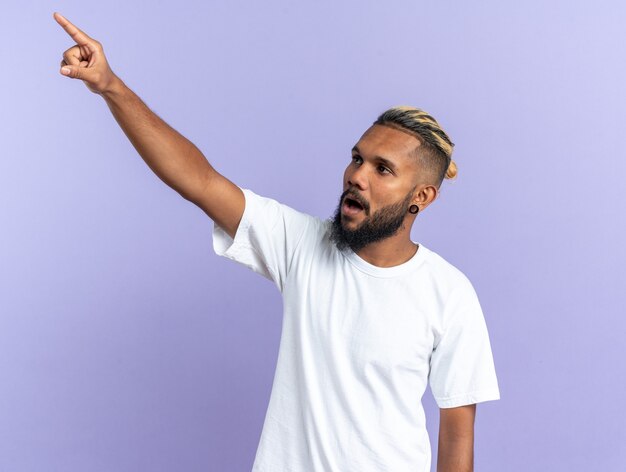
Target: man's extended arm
<point x="456" y="439"/>
<point x="175" y="159"/>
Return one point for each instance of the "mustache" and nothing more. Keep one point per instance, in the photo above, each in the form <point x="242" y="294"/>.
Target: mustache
<point x="356" y="197"/>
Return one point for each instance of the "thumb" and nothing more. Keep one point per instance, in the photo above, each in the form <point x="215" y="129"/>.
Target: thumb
<point x="74" y="72"/>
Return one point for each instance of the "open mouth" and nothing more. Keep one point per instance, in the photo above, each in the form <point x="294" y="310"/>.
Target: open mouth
<point x="351" y="206"/>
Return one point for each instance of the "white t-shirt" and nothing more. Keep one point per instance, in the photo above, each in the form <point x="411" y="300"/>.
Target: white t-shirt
<point x="359" y="344"/>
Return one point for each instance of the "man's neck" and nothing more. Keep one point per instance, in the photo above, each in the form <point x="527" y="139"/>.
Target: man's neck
<point x="389" y="252"/>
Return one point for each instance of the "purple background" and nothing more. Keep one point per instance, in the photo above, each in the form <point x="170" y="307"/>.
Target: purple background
<point x="126" y="344"/>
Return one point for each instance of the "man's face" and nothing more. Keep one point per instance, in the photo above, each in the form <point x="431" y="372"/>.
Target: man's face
<point x="379" y="185"/>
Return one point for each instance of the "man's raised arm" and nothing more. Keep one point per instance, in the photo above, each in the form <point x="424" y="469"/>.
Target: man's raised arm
<point x="175" y="159"/>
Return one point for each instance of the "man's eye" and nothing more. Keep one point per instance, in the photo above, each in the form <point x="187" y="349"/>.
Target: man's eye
<point x="383" y="170"/>
<point x="357" y="159"/>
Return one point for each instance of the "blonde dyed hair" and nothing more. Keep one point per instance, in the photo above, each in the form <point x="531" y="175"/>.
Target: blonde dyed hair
<point x="436" y="147"/>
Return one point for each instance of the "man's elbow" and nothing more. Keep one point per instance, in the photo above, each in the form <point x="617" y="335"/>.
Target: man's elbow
<point x="456" y="455"/>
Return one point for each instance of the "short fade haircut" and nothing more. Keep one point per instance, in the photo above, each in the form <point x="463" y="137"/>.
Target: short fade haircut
<point x="435" y="150"/>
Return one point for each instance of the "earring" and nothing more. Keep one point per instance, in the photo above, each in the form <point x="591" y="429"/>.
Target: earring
<point x="414" y="209"/>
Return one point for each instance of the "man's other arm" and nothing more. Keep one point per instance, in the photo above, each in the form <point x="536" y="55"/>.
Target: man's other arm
<point x="456" y="439"/>
<point x="175" y="159"/>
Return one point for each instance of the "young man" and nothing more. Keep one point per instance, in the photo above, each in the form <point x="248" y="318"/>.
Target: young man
<point x="370" y="317"/>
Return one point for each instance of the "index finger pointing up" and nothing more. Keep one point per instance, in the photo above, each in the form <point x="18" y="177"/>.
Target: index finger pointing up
<point x="76" y="34"/>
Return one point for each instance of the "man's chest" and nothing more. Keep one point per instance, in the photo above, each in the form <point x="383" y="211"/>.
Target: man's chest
<point x="366" y="321"/>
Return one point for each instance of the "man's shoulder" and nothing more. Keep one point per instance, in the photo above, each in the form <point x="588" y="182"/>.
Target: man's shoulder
<point x="444" y="271"/>
<point x="268" y="206"/>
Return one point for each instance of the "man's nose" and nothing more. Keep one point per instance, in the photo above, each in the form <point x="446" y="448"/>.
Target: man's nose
<point x="358" y="178"/>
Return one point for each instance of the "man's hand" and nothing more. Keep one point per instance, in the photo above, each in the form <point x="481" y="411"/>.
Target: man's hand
<point x="85" y="60"/>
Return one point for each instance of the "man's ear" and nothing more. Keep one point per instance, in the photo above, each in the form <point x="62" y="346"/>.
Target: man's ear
<point x="424" y="195"/>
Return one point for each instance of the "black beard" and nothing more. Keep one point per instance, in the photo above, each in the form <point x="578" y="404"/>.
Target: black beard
<point x="383" y="223"/>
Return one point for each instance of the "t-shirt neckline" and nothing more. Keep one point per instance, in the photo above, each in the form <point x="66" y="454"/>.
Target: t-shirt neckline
<point x="385" y="272"/>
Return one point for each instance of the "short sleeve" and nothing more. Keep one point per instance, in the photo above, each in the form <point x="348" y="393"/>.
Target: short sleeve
<point x="266" y="239"/>
<point x="462" y="370"/>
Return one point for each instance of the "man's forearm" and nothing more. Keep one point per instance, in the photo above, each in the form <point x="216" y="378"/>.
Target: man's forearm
<point x="456" y="455"/>
<point x="175" y="159"/>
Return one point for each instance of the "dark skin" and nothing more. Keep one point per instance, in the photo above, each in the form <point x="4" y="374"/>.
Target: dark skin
<point x="384" y="169"/>
<point x="181" y="165"/>
<point x="456" y="439"/>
